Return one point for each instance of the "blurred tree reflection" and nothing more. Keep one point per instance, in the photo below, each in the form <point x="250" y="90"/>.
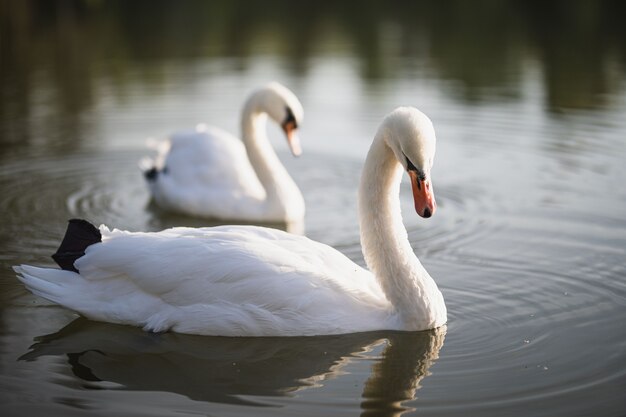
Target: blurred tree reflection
<point x="55" y="52"/>
<point x="578" y="43"/>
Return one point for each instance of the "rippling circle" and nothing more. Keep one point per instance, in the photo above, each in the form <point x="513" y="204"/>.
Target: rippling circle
<point x="511" y="316"/>
<point x="40" y="196"/>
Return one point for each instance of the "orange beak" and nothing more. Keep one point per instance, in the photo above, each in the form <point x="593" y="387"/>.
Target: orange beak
<point x="292" y="138"/>
<point x="423" y="195"/>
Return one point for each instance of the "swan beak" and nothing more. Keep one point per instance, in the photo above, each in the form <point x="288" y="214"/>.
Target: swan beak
<point x="292" y="137"/>
<point x="423" y="194"/>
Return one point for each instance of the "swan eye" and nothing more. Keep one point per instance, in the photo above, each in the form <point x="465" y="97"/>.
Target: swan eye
<point x="411" y="167"/>
<point x="409" y="164"/>
<point x="290" y="119"/>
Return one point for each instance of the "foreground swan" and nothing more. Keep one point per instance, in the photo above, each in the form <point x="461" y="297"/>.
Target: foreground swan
<point x="207" y="172"/>
<point x="254" y="281"/>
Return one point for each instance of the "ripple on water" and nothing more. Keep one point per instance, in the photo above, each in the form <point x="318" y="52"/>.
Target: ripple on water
<point x="40" y="196"/>
<point x="528" y="316"/>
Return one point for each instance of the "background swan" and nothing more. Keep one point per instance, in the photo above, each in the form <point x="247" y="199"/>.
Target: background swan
<point x="210" y="173"/>
<point x="254" y="281"/>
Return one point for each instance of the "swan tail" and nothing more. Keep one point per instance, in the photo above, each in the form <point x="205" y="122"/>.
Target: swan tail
<point x="151" y="174"/>
<point x="148" y="168"/>
<point x="79" y="235"/>
<point x="51" y="284"/>
<point x="152" y="167"/>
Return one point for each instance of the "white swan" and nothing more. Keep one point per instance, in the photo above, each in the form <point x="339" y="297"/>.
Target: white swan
<point x="207" y="172"/>
<point x="254" y="281"/>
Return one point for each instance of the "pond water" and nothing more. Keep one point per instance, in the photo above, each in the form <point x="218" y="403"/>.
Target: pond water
<point x="528" y="245"/>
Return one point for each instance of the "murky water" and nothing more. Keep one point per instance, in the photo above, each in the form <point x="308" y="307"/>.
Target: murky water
<point x="528" y="247"/>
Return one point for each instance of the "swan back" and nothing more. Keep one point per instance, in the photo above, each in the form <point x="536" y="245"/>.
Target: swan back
<point x="226" y="280"/>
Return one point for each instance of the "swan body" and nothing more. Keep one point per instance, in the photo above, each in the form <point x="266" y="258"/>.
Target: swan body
<point x="224" y="280"/>
<point x="208" y="172"/>
<point x="255" y="281"/>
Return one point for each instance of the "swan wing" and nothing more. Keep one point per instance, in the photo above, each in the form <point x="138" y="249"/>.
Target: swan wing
<point x="228" y="280"/>
<point x="211" y="157"/>
<point x="205" y="172"/>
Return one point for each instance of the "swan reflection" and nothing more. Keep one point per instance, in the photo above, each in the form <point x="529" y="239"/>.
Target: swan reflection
<point x="226" y="370"/>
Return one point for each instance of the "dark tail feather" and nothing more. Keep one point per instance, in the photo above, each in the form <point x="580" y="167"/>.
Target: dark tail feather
<point x="151" y="174"/>
<point x="79" y="234"/>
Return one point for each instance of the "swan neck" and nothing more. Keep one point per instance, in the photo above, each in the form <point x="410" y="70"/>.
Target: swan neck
<point x="386" y="248"/>
<point x="283" y="197"/>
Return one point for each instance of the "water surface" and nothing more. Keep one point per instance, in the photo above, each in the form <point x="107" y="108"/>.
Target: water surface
<point x="528" y="245"/>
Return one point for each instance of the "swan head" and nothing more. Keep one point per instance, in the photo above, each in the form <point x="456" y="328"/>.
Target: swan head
<point x="282" y="106"/>
<point x="411" y="136"/>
